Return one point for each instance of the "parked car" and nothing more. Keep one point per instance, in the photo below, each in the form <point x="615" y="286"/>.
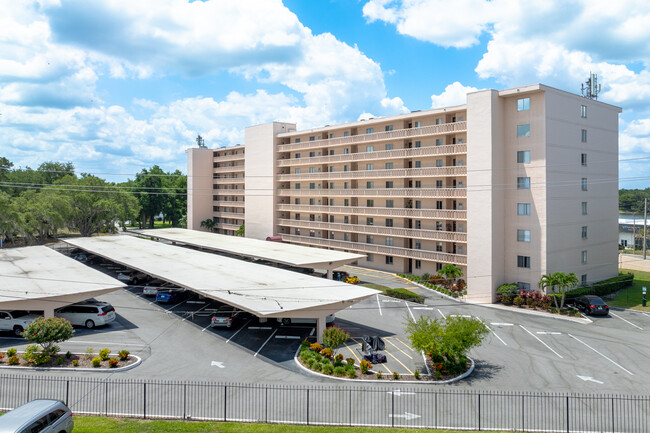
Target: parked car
<point x="132" y="277"/>
<point x="298" y="321"/>
<point x="228" y="317"/>
<point x="42" y="416"/>
<point x="171" y="295"/>
<point x="591" y="304"/>
<point x="89" y="313"/>
<point x="150" y="290"/>
<point x="16" y="321"/>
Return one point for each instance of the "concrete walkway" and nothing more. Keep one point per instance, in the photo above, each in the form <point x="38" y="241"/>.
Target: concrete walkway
<point x="636" y="263"/>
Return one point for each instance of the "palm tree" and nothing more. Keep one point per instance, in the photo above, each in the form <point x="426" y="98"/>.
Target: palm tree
<point x="241" y="231"/>
<point x="558" y="281"/>
<point x="568" y="281"/>
<point x="208" y="224"/>
<point x="451" y="272"/>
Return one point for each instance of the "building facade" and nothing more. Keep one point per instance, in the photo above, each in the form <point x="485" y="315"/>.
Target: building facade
<point x="509" y="186"/>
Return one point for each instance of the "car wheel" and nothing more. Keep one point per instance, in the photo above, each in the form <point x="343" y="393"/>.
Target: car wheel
<point x="18" y="330"/>
<point x="286" y="321"/>
<point x="90" y="324"/>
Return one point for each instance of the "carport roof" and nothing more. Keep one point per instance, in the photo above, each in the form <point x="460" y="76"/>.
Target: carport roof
<point x="278" y="252"/>
<point x="262" y="290"/>
<point x="32" y="274"/>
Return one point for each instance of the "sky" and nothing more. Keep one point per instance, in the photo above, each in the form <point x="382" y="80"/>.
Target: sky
<point x="115" y="86"/>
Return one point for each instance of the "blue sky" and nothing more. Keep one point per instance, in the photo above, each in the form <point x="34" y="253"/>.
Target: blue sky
<point x="117" y="86"/>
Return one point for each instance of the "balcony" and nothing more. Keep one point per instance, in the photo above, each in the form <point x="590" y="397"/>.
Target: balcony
<point x="434" y="235"/>
<point x="449" y="149"/>
<point x="228" y="191"/>
<point x="228" y="180"/>
<point x="238" y="157"/>
<point x="225" y="214"/>
<point x="376" y="174"/>
<point x="445" y="128"/>
<point x="437" y="214"/>
<point x="229" y="203"/>
<point x="226" y="226"/>
<point x="376" y="192"/>
<point x="229" y="169"/>
<point x="359" y="247"/>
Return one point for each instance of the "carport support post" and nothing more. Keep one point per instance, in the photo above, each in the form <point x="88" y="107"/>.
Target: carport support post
<point x="330" y="273"/>
<point x="320" y="327"/>
<point x="48" y="312"/>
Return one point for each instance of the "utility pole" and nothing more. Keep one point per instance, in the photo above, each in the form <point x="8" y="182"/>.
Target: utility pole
<point x="645" y="225"/>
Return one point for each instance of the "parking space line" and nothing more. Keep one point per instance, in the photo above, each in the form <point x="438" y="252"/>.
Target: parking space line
<point x="538" y="339"/>
<point x="238" y="331"/>
<point x="443" y="316"/>
<point x="267" y="340"/>
<point x="171" y="308"/>
<point x="409" y="308"/>
<point x="192" y="313"/>
<point x="645" y="314"/>
<point x="352" y="352"/>
<point x="379" y="305"/>
<point x="405" y="345"/>
<point x="626" y="321"/>
<point x="210" y="324"/>
<point x="492" y="331"/>
<point x="400" y="362"/>
<point x="391" y="343"/>
<point x="103" y="342"/>
<point x="613" y="362"/>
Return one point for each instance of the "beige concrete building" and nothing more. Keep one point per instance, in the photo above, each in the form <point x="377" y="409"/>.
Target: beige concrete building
<point x="509" y="186"/>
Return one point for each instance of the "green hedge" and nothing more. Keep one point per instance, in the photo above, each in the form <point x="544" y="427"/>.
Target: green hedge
<point x="407" y="295"/>
<point x="420" y="280"/>
<point x="603" y="288"/>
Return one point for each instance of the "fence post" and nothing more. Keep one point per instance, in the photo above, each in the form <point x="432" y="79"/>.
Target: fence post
<point x="225" y="401"/>
<point x="392" y="408"/>
<point x="307" y="406"/>
<point x="29" y="381"/>
<point x="479" y="411"/>
<point x="106" y="398"/>
<point x="266" y="404"/>
<point x="350" y="407"/>
<point x="523" y="413"/>
<point x="567" y="414"/>
<point x="185" y="401"/>
<point x="67" y="391"/>
<point x="144" y="401"/>
<point x="613" y="430"/>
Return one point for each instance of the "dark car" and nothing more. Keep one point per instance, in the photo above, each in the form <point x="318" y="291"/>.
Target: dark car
<point x="591" y="304"/>
<point x="228" y="317"/>
<point x="169" y="295"/>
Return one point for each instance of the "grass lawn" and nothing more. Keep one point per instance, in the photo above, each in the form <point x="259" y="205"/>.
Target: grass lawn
<point x="396" y="293"/>
<point x="631" y="296"/>
<point x="92" y="424"/>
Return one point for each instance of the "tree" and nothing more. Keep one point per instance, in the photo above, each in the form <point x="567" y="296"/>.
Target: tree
<point x="451" y="272"/>
<point x="558" y="282"/>
<point x="334" y="336"/>
<point x="11" y="222"/>
<point x="208" y="224"/>
<point x="175" y="202"/>
<point x="47" y="332"/>
<point x="43" y="213"/>
<point x="51" y="171"/>
<point x="5" y="167"/>
<point x="150" y="193"/>
<point x="241" y="231"/>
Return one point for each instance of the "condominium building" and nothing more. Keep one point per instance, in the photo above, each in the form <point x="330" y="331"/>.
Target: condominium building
<point x="509" y="186"/>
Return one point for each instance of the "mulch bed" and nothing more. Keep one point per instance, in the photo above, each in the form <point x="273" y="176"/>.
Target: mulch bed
<point x="84" y="361"/>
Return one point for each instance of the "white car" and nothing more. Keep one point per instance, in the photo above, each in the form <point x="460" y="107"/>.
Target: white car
<point x="43" y="416"/>
<point x="88" y="314"/>
<point x="150" y="290"/>
<point x="15" y="321"/>
<point x="287" y="321"/>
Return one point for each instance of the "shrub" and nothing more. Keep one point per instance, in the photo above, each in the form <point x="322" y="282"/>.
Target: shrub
<point x="11" y="352"/>
<point x="328" y="368"/>
<point x="46" y="332"/>
<point x="96" y="361"/>
<point x="416" y="373"/>
<point x="13" y="360"/>
<point x="349" y="361"/>
<point x="339" y="357"/>
<point x="338" y="363"/>
<point x="326" y="361"/>
<point x="395" y="375"/>
<point x="352" y="280"/>
<point x="506" y="299"/>
<point x="405" y="294"/>
<point x="304" y="343"/>
<point x="124" y="355"/>
<point x="351" y="372"/>
<point x="104" y="353"/>
<point x="90" y="353"/>
<point x="2" y="355"/>
<point x="305" y="355"/>
<point x="339" y="371"/>
<point x="379" y="375"/>
<point x="75" y="363"/>
<point x="334" y="336"/>
<point x="327" y="352"/>
<point x="438" y="375"/>
<point x="317" y="357"/>
<point x="112" y="363"/>
<point x="35" y="355"/>
<point x="68" y="354"/>
<point x="364" y="366"/>
<point x="518" y="301"/>
<point x="59" y="360"/>
<point x="316" y="347"/>
<point x="555" y="310"/>
<point x="310" y="362"/>
<point x="317" y="366"/>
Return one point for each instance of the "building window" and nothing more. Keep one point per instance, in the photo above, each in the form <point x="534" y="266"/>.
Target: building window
<point x="297" y="171"/>
<point x="370" y="148"/>
<point x="389" y="146"/>
<point x="584" y="257"/>
<point x="523" y="286"/>
<point x="370" y="185"/>
<point x="418" y="184"/>
<point x="312" y="202"/>
<point x="583" y="137"/>
<point x="583" y="277"/>
<point x="583" y="113"/>
<point x="523" y="262"/>
<point x="370" y="257"/>
<point x="418" y="124"/>
<point x="439" y="246"/>
<point x="438" y="184"/>
<point x="523" y="104"/>
<point x="523" y="235"/>
<point x="331" y="150"/>
<point x="418" y="204"/>
<point x="312" y="154"/>
<point x="389" y="203"/>
<point x="389" y="242"/>
<point x="389" y="184"/>
<point x="370" y="130"/>
<point x="523" y="130"/>
<point x="523" y="183"/>
<point x="438" y="204"/>
<point x="370" y="166"/>
<point x="331" y="202"/>
<point x="297" y="201"/>
<point x="418" y="224"/>
<point x="346" y="219"/>
<point x="345" y="185"/>
<point x="389" y="260"/>
<point x="312" y="138"/>
<point x="370" y="239"/>
<point x="418" y="264"/>
<point x="297" y="216"/>
<point x="297" y="156"/>
<point x="298" y="141"/>
<point x="389" y="166"/>
<point x="389" y="222"/>
<point x="418" y="245"/>
<point x="389" y="127"/>
<point x="584" y="208"/>
<point x="370" y="203"/>
<point x="297" y="232"/>
<point x="331" y="218"/>
<point x="346" y="133"/>
<point x="331" y="168"/>
<point x="584" y="232"/>
<point x="346" y="168"/>
<point x="583" y="159"/>
<point x="523" y="209"/>
<point x="438" y="225"/>
<point x="583" y="184"/>
<point x="438" y="141"/>
<point x="331" y="185"/>
<point x="346" y="237"/>
<point x="297" y="186"/>
<point x="418" y="143"/>
<point x="438" y="162"/>
<point x="346" y="202"/>
<point x="370" y="221"/>
<point x="331" y="135"/>
<point x="312" y="169"/>
<point x="312" y="185"/>
<point x="438" y="267"/>
<point x="523" y="156"/>
<point x="346" y="150"/>
<point x="312" y="217"/>
<point x="418" y="164"/>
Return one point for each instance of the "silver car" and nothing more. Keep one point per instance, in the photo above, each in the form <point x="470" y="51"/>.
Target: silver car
<point x="42" y="416"/>
<point x="88" y="314"/>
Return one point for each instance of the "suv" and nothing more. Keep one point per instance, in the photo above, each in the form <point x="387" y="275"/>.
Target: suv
<point x="88" y="314"/>
<point x="16" y="321"/>
<point x="228" y="316"/>
<point x="43" y="416"/>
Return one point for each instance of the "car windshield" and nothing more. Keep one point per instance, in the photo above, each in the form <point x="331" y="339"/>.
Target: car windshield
<point x="18" y="313"/>
<point x="107" y="308"/>
<point x="597" y="301"/>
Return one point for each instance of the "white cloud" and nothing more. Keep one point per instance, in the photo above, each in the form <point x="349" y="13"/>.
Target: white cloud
<point x="454" y="94"/>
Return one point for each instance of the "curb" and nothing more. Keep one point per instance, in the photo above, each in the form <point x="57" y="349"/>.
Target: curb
<point x="102" y="370"/>
<point x="427" y="382"/>
<point x="583" y="320"/>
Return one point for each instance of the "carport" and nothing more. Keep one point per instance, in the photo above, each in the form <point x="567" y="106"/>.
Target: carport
<point x="41" y="279"/>
<point x="264" y="291"/>
<point x="276" y="252"/>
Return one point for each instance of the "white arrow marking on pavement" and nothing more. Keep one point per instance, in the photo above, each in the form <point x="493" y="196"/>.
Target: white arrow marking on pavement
<point x="218" y="364"/>
<point x="590" y="379"/>
<point x="501" y="324"/>
<point x="400" y="393"/>
<point x="407" y="415"/>
<point x="548" y="333"/>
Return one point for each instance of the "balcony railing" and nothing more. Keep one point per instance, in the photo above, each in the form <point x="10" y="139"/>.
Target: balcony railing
<point x="375" y="174"/>
<point x="238" y="157"/>
<point x="433" y="235"/>
<point x="435" y="256"/>
<point x="229" y="203"/>
<point x="224" y="214"/>
<point x="445" y="128"/>
<point x="228" y="191"/>
<point x="230" y="169"/>
<point x="438" y="214"/>
<point x="226" y="226"/>
<point x="376" y="192"/>
<point x="449" y="149"/>
<point x="228" y="180"/>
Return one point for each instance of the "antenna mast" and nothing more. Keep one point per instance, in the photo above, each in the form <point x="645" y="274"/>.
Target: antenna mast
<point x="591" y="88"/>
<point x="200" y="142"/>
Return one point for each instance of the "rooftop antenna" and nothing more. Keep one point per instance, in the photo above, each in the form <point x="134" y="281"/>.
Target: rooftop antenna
<point x="200" y="142"/>
<point x="591" y="88"/>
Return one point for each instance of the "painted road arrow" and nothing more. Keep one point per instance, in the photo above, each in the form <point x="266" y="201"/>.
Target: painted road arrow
<point x="407" y="416"/>
<point x="218" y="364"/>
<point x="400" y="393"/>
<point x="590" y="379"/>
